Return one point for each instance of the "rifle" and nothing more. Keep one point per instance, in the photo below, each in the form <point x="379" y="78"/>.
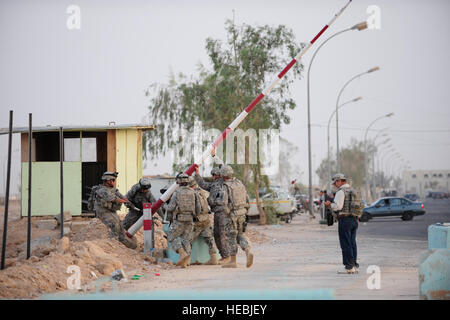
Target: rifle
<point x="131" y="205"/>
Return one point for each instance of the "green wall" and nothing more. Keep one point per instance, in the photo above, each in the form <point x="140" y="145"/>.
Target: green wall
<point x="45" y="180"/>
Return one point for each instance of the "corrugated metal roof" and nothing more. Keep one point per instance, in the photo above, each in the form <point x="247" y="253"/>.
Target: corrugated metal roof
<point x="80" y="128"/>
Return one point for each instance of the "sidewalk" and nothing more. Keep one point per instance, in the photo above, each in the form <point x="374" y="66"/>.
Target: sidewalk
<point x="297" y="257"/>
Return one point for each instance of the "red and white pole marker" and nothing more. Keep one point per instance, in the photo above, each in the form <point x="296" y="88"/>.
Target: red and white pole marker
<point x="148" y="227"/>
<point x="166" y="195"/>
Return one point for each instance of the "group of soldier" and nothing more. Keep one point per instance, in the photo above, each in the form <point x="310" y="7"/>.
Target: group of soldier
<point x="187" y="212"/>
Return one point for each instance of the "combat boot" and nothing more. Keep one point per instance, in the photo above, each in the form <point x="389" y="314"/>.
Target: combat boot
<point x="183" y="256"/>
<point x="213" y="259"/>
<point x="249" y="257"/>
<point x="187" y="262"/>
<point x="224" y="260"/>
<point x="231" y="264"/>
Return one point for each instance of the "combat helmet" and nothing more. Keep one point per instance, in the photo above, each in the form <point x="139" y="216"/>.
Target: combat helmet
<point x="182" y="179"/>
<point x="226" y="172"/>
<point x="109" y="175"/>
<point x="338" y="176"/>
<point x="215" y="171"/>
<point x="145" y="183"/>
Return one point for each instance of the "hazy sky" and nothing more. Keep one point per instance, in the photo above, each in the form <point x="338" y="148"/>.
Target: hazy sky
<point x="99" y="73"/>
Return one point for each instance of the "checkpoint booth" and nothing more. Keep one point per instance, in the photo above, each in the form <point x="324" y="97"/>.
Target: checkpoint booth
<point x="88" y="151"/>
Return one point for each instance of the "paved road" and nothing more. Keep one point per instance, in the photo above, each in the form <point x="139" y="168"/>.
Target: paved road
<point x="437" y="210"/>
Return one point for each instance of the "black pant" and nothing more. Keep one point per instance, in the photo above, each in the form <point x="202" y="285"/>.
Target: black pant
<point x="347" y="239"/>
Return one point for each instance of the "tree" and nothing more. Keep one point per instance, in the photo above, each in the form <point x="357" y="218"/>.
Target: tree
<point x="240" y="69"/>
<point x="352" y="164"/>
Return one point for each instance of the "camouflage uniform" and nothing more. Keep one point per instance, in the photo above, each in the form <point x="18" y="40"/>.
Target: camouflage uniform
<point x="202" y="226"/>
<point x="234" y="199"/>
<point x="183" y="206"/>
<point x="219" y="214"/>
<point x="105" y="206"/>
<point x="135" y="196"/>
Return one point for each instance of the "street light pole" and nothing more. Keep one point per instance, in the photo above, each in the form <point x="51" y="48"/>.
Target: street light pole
<point x="338" y="164"/>
<point x="360" y="26"/>
<point x="374" y="180"/>
<point x="365" y="151"/>
<point x="328" y="139"/>
<point x="391" y="157"/>
<point x="389" y="151"/>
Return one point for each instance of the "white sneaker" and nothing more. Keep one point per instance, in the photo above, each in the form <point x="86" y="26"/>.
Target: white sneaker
<point x="347" y="271"/>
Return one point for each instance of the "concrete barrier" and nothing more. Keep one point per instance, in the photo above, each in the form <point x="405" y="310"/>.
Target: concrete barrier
<point x="434" y="264"/>
<point x="434" y="275"/>
<point x="439" y="236"/>
<point x="199" y="251"/>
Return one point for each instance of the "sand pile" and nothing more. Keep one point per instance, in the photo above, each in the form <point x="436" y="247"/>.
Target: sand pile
<point x="90" y="249"/>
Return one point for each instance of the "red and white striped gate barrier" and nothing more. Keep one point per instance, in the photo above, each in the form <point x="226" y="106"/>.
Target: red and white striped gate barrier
<point x="166" y="195"/>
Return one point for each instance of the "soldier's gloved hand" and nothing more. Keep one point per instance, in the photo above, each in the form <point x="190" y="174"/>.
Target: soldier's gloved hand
<point x="121" y="200"/>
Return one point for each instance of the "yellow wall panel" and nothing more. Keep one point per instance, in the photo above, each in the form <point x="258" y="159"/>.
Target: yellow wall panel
<point x="128" y="159"/>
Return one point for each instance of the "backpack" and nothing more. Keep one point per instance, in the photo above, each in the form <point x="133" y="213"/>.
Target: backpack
<point x="91" y="200"/>
<point x="204" y="204"/>
<point x="355" y="206"/>
<point x="238" y="194"/>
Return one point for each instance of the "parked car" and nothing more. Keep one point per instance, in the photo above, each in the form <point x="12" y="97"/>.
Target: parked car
<point x="391" y="207"/>
<point x="411" y="196"/>
<point x="437" y="195"/>
<point x="282" y="201"/>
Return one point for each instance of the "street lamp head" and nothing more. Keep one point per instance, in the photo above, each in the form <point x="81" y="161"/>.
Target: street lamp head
<point x="390" y="114"/>
<point x="360" y="26"/>
<point x="373" y="69"/>
<point x="357" y="99"/>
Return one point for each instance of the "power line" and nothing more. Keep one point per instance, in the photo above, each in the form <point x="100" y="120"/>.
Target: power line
<point x="363" y="129"/>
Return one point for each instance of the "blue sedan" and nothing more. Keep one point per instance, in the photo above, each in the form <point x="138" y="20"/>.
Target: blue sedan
<point x="391" y="207"/>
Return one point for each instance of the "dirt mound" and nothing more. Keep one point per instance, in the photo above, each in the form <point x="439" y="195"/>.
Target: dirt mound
<point x="95" y="230"/>
<point x="90" y="249"/>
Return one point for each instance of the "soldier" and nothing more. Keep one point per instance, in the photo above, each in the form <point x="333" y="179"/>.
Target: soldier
<point x="234" y="199"/>
<point x="202" y="225"/>
<point x="213" y="188"/>
<point x="107" y="200"/>
<point x="138" y="194"/>
<point x="184" y="205"/>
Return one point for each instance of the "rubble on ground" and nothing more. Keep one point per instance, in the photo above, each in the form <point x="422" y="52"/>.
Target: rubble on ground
<point x="90" y="248"/>
<point x="87" y="246"/>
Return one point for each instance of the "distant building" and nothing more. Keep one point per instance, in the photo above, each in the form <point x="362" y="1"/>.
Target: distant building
<point x="422" y="181"/>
